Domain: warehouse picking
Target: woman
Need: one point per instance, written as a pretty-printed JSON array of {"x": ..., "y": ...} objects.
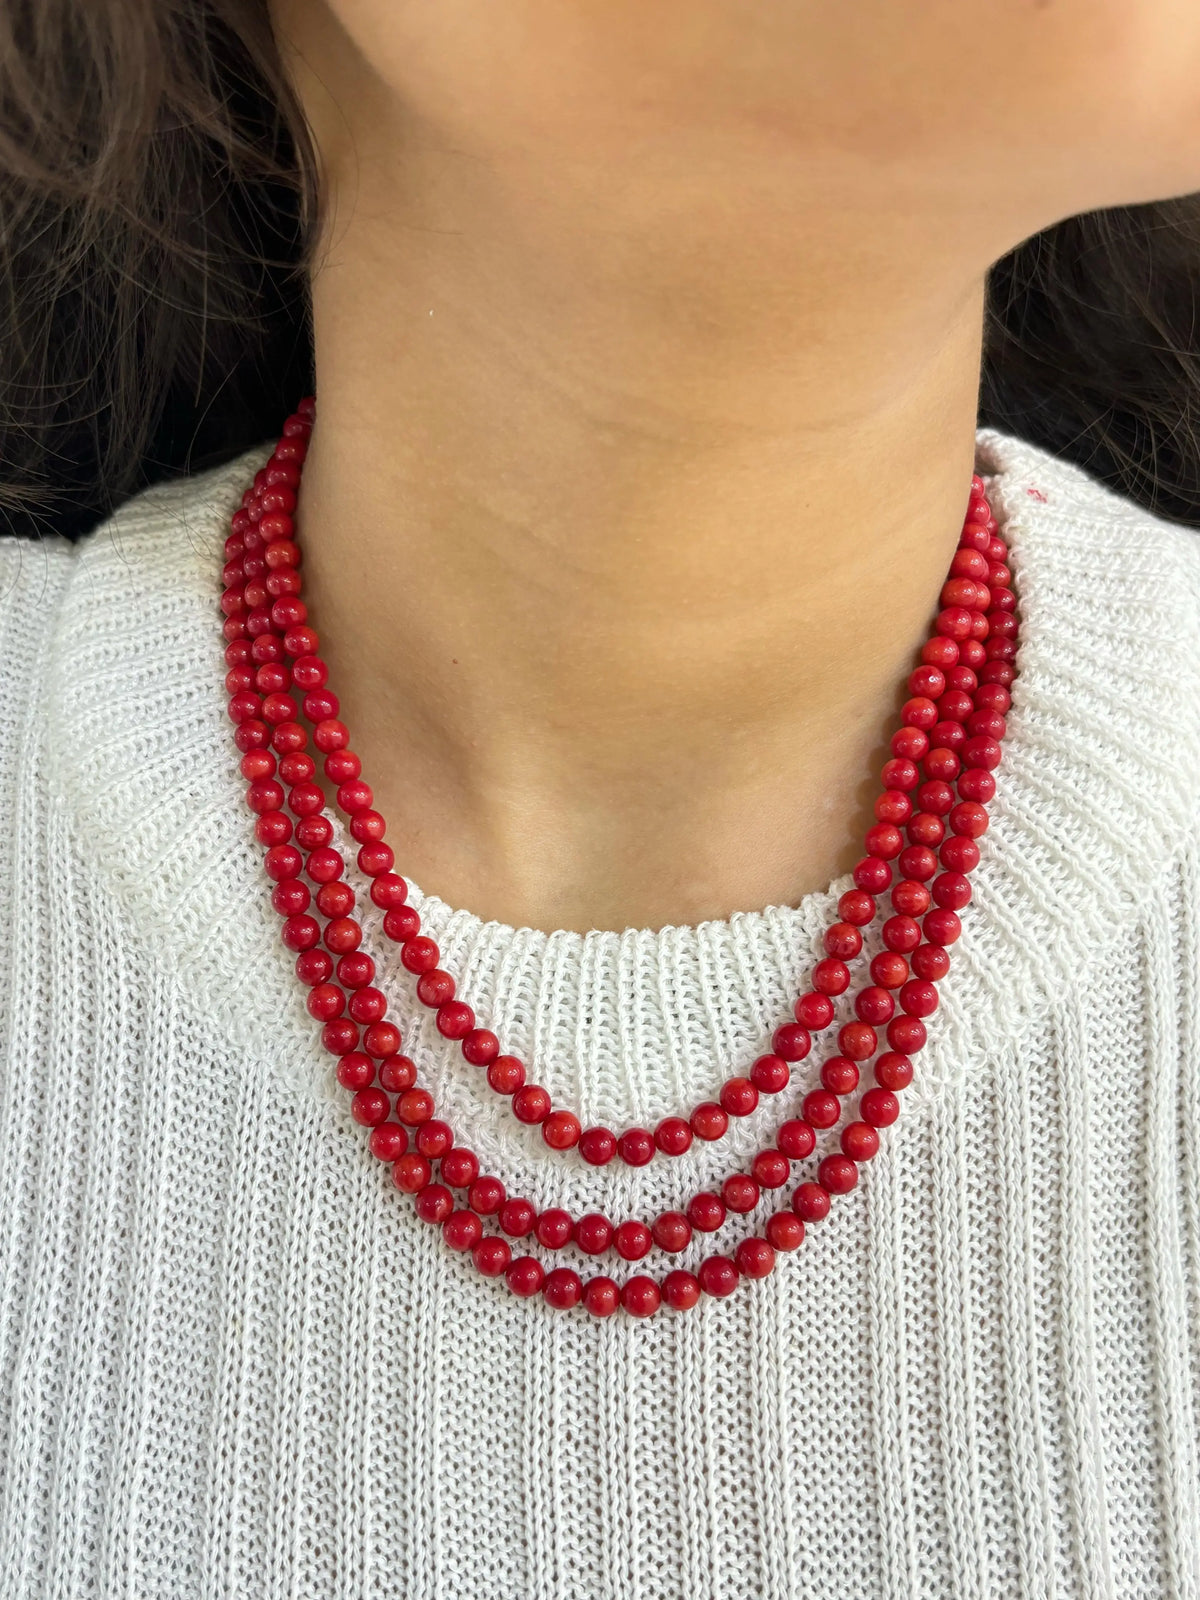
[{"x": 813, "y": 1206}]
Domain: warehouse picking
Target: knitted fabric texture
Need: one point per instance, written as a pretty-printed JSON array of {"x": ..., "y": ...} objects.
[{"x": 233, "y": 1363}]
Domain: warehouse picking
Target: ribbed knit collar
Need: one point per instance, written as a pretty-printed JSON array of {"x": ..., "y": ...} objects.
[{"x": 1098, "y": 786}]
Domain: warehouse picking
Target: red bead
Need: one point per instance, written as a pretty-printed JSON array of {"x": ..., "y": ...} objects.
[
  {"x": 860, "y": 1141},
  {"x": 706, "y": 1212},
  {"x": 811, "y": 1202},
  {"x": 814, "y": 1011},
  {"x": 930, "y": 961},
  {"x": 459, "y": 1168},
  {"x": 641, "y": 1296},
  {"x": 856, "y": 905},
  {"x": 314, "y": 967},
  {"x": 517, "y": 1218},
  {"x": 739, "y": 1097},
  {"x": 632, "y": 1239},
  {"x": 821, "y": 1108},
  {"x": 951, "y": 890},
  {"x": 718, "y": 1276},
  {"x": 919, "y": 998},
  {"x": 388, "y": 1141},
  {"x": 906, "y": 1034},
  {"x": 480, "y": 1047},
  {"x": 740, "y": 1192},
  {"x": 561, "y": 1130},
  {"x": 389, "y": 891},
  {"x": 414, "y": 1107},
  {"x": 889, "y": 969},
  {"x": 977, "y": 784},
  {"x": 397, "y": 1074},
  {"x": 942, "y": 926},
  {"x": 284, "y": 861},
  {"x": 343, "y": 933},
  {"x": 872, "y": 875},
  {"x": 435, "y": 988},
  {"x": 911, "y": 899},
  {"x": 754, "y": 1258},
  {"x": 839, "y": 1075},
  {"x": 355, "y": 1070},
  {"x": 370, "y": 1107},
  {"x": 838, "y": 1174},
  {"x": 636, "y": 1147},
  {"x": 791, "y": 1042},
  {"x": 969, "y": 819},
  {"x": 857, "y": 1040},
  {"x": 883, "y": 839},
  {"x": 597, "y": 1146},
  {"x": 486, "y": 1195},
  {"x": 381, "y": 1039},
  {"x": 434, "y": 1138},
  {"x": 411, "y": 1173},
  {"x": 506, "y": 1074},
  {"x": 325, "y": 1001},
  {"x": 879, "y": 1107},
  {"x": 672, "y": 1231},
  {"x": 831, "y": 976},
  {"x": 531, "y": 1103},
  {"x": 874, "y": 1004},
  {"x": 928, "y": 681},
  {"x": 680, "y": 1290},
  {"x": 673, "y": 1136},
  {"x": 796, "y": 1139},
  {"x": 562, "y": 1289},
  {"x": 981, "y": 752},
  {"x": 462, "y": 1230},
  {"x": 709, "y": 1121},
  {"x": 917, "y": 863},
  {"x": 770, "y": 1169},
  {"x": 367, "y": 1005},
  {"x": 340, "y": 1036},
  {"x": 554, "y": 1228},
  {"x": 770, "y": 1074},
  {"x": 525, "y": 1276},
  {"x": 434, "y": 1203},
  {"x": 593, "y": 1233},
  {"x": 601, "y": 1297},
  {"x": 843, "y": 940},
  {"x": 959, "y": 854},
  {"x": 893, "y": 1070},
  {"x": 420, "y": 954},
  {"x": 355, "y": 971},
  {"x": 785, "y": 1231},
  {"x": 335, "y": 899},
  {"x": 492, "y": 1257}
]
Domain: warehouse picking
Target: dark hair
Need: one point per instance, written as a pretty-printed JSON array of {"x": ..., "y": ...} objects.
[{"x": 156, "y": 198}]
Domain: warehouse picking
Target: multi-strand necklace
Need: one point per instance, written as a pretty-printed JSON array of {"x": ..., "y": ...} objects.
[{"x": 919, "y": 853}]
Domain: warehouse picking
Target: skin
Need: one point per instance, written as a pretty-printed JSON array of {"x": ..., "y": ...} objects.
[{"x": 648, "y": 341}]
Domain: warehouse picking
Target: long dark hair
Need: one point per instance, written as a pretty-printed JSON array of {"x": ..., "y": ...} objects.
[{"x": 157, "y": 196}]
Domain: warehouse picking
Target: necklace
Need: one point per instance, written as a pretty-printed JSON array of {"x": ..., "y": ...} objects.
[{"x": 921, "y": 849}]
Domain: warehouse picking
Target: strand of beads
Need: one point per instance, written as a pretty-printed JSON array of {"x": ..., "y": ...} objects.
[{"x": 263, "y": 564}]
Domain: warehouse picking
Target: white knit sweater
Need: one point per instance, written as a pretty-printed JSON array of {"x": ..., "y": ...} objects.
[{"x": 233, "y": 1363}]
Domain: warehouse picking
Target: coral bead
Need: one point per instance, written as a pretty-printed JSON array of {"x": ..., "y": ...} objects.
[
  {"x": 531, "y": 1104},
  {"x": 879, "y": 1107},
  {"x": 601, "y": 1297},
  {"x": 388, "y": 1141},
  {"x": 641, "y": 1296},
  {"x": 821, "y": 1108},
  {"x": 554, "y": 1228},
  {"x": 839, "y": 1075},
  {"x": 370, "y": 1107},
  {"x": 525, "y": 1276},
  {"x": 636, "y": 1147},
  {"x": 561, "y": 1130},
  {"x": 593, "y": 1233},
  {"x": 740, "y": 1192},
  {"x": 597, "y": 1146},
  {"x": 492, "y": 1257},
  {"x": 860, "y": 1141},
  {"x": 459, "y": 1168},
  {"x": 462, "y": 1230},
  {"x": 632, "y": 1240},
  {"x": 857, "y": 1040},
  {"x": 709, "y": 1121},
  {"x": 811, "y": 1202},
  {"x": 517, "y": 1218},
  {"x": 672, "y": 1231},
  {"x": 770, "y": 1074},
  {"x": 739, "y": 1097},
  {"x": 434, "y": 1138},
  {"x": 706, "y": 1212},
  {"x": 562, "y": 1289},
  {"x": 434, "y": 1203},
  {"x": 814, "y": 1011},
  {"x": 754, "y": 1258},
  {"x": 673, "y": 1136},
  {"x": 791, "y": 1042},
  {"x": 831, "y": 976},
  {"x": 843, "y": 940},
  {"x": 785, "y": 1231},
  {"x": 718, "y": 1276},
  {"x": 680, "y": 1290},
  {"x": 796, "y": 1139},
  {"x": 771, "y": 1169},
  {"x": 838, "y": 1174},
  {"x": 486, "y": 1196},
  {"x": 411, "y": 1173},
  {"x": 506, "y": 1074}
]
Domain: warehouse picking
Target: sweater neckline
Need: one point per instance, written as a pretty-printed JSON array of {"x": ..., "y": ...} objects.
[{"x": 1095, "y": 794}]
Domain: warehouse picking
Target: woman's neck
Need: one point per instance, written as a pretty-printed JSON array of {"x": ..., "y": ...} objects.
[{"x": 628, "y": 505}]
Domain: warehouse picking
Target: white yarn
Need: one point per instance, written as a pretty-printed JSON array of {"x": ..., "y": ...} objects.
[{"x": 232, "y": 1363}]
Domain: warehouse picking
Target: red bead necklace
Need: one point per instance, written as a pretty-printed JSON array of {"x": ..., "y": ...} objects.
[{"x": 922, "y": 848}]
